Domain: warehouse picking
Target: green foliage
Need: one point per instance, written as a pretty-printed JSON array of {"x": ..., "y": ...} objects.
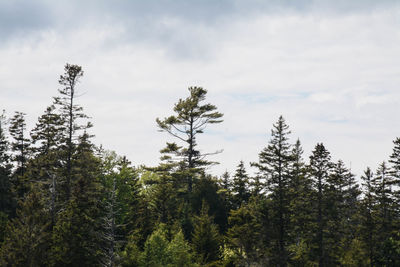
[
  {"x": 240, "y": 186},
  {"x": 274, "y": 166},
  {"x": 79, "y": 205},
  {"x": 160, "y": 251},
  {"x": 27, "y": 237},
  {"x": 191, "y": 119},
  {"x": 354, "y": 255},
  {"x": 7, "y": 201},
  {"x": 245, "y": 235},
  {"x": 206, "y": 240},
  {"x": 20, "y": 147}
]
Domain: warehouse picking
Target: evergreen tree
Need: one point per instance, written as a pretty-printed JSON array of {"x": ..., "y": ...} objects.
[
  {"x": 20, "y": 147},
  {"x": 341, "y": 221},
  {"x": 245, "y": 235},
  {"x": 70, "y": 114},
  {"x": 225, "y": 193},
  {"x": 27, "y": 239},
  {"x": 240, "y": 186},
  {"x": 320, "y": 169},
  {"x": 159, "y": 251},
  {"x": 368, "y": 220},
  {"x": 47, "y": 134},
  {"x": 274, "y": 162},
  {"x": 300, "y": 209},
  {"x": 206, "y": 240},
  {"x": 191, "y": 119},
  {"x": 46, "y": 165},
  {"x": 206, "y": 191},
  {"x": 383, "y": 190},
  {"x": 78, "y": 235},
  {"x": 225, "y": 181},
  {"x": 121, "y": 198},
  {"x": 6, "y": 196},
  {"x": 395, "y": 173}
]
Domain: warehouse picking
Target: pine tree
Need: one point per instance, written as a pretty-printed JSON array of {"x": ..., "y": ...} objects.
[
  {"x": 20, "y": 147},
  {"x": 320, "y": 168},
  {"x": 245, "y": 235},
  {"x": 383, "y": 183},
  {"x": 78, "y": 235},
  {"x": 385, "y": 209},
  {"x": 225, "y": 191},
  {"x": 240, "y": 186},
  {"x": 27, "y": 239},
  {"x": 70, "y": 114},
  {"x": 191, "y": 119},
  {"x": 395, "y": 173},
  {"x": 368, "y": 220},
  {"x": 46, "y": 165},
  {"x": 6, "y": 196},
  {"x": 121, "y": 198},
  {"x": 300, "y": 209},
  {"x": 273, "y": 165},
  {"x": 47, "y": 134},
  {"x": 206, "y": 239}
]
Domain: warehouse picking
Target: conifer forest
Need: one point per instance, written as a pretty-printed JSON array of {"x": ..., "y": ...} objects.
[{"x": 65, "y": 201}]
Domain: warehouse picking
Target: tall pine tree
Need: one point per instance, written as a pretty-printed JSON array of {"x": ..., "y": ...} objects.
[{"x": 273, "y": 165}]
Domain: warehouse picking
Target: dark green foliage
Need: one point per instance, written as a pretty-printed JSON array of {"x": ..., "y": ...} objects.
[
  {"x": 206, "y": 239},
  {"x": 28, "y": 238},
  {"x": 19, "y": 147},
  {"x": 301, "y": 220},
  {"x": 245, "y": 236},
  {"x": 320, "y": 169},
  {"x": 47, "y": 134},
  {"x": 6, "y": 195},
  {"x": 240, "y": 186},
  {"x": 206, "y": 190},
  {"x": 274, "y": 166},
  {"x": 367, "y": 216},
  {"x": 78, "y": 233}
]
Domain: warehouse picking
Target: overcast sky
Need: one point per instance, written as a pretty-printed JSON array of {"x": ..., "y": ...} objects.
[{"x": 331, "y": 68}]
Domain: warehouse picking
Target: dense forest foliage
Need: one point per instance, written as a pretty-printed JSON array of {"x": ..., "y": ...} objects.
[{"x": 67, "y": 202}]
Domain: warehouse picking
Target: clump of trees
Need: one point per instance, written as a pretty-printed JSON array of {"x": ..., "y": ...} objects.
[{"x": 66, "y": 202}]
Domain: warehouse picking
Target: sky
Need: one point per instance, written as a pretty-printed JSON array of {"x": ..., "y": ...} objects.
[{"x": 330, "y": 68}]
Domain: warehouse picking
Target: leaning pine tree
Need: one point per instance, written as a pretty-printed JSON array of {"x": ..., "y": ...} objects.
[{"x": 190, "y": 119}]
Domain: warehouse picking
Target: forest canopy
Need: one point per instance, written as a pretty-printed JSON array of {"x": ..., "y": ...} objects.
[{"x": 65, "y": 201}]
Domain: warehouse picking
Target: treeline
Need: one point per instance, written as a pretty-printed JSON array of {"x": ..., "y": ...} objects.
[{"x": 66, "y": 202}]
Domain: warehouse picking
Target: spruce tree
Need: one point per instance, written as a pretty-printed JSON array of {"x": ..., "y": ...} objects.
[
  {"x": 78, "y": 236},
  {"x": 240, "y": 186},
  {"x": 27, "y": 239},
  {"x": 320, "y": 169},
  {"x": 20, "y": 147},
  {"x": 300, "y": 209},
  {"x": 206, "y": 239},
  {"x": 46, "y": 165},
  {"x": 273, "y": 165},
  {"x": 6, "y": 196},
  {"x": 47, "y": 134},
  {"x": 245, "y": 235},
  {"x": 395, "y": 173},
  {"x": 368, "y": 220}
]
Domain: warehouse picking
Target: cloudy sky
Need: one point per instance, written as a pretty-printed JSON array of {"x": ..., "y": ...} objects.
[{"x": 331, "y": 68}]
